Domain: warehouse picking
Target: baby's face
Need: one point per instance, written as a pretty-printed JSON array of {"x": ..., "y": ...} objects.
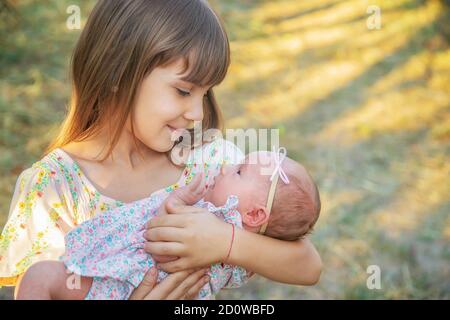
[{"x": 247, "y": 181}]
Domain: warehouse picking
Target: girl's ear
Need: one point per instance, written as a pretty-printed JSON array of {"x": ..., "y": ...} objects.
[{"x": 255, "y": 217}]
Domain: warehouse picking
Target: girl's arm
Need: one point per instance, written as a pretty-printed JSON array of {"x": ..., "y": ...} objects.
[
  {"x": 185, "y": 235},
  {"x": 293, "y": 262},
  {"x": 16, "y": 289}
]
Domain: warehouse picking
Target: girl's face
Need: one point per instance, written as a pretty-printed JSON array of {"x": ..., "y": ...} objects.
[{"x": 165, "y": 103}]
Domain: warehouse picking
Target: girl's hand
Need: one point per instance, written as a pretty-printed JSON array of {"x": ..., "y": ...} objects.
[
  {"x": 162, "y": 259},
  {"x": 193, "y": 234},
  {"x": 177, "y": 286}
]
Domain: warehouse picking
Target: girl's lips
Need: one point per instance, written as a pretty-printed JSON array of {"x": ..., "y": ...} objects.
[
  {"x": 173, "y": 129},
  {"x": 175, "y": 133}
]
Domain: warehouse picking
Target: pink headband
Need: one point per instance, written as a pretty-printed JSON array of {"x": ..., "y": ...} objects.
[{"x": 278, "y": 172}]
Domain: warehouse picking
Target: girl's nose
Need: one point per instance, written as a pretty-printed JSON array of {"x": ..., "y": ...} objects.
[{"x": 195, "y": 113}]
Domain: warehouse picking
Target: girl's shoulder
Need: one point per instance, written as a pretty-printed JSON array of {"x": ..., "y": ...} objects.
[
  {"x": 53, "y": 167},
  {"x": 54, "y": 179}
]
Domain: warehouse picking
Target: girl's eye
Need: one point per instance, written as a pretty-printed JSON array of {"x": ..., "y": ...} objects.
[
  {"x": 239, "y": 172},
  {"x": 183, "y": 93}
]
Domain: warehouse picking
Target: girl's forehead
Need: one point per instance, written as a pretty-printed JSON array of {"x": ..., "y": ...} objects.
[{"x": 178, "y": 70}]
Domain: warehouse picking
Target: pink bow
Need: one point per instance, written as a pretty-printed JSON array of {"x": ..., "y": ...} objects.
[{"x": 279, "y": 155}]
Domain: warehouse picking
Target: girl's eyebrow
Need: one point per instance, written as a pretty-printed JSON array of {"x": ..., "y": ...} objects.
[
  {"x": 191, "y": 83},
  {"x": 184, "y": 81}
]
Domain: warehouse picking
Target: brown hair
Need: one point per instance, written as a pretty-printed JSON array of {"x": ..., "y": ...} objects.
[
  {"x": 296, "y": 205},
  {"x": 122, "y": 42}
]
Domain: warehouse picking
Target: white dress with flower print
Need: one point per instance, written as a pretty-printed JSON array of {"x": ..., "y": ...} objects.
[{"x": 54, "y": 196}]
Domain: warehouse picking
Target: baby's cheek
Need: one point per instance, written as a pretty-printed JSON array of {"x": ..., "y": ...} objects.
[{"x": 219, "y": 194}]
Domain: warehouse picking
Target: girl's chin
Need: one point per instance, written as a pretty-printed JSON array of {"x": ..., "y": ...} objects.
[
  {"x": 163, "y": 144},
  {"x": 168, "y": 146}
]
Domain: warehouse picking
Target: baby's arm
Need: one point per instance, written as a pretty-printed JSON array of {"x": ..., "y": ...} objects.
[{"x": 50, "y": 280}]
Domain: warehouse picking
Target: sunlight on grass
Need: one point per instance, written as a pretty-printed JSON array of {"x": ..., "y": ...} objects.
[
  {"x": 369, "y": 113},
  {"x": 270, "y": 10},
  {"x": 332, "y": 201},
  {"x": 398, "y": 104},
  {"x": 395, "y": 111},
  {"x": 425, "y": 187},
  {"x": 297, "y": 91},
  {"x": 446, "y": 232},
  {"x": 366, "y": 111},
  {"x": 337, "y": 13},
  {"x": 299, "y": 87}
]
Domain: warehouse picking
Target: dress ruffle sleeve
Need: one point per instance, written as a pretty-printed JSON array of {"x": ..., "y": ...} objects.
[{"x": 38, "y": 219}]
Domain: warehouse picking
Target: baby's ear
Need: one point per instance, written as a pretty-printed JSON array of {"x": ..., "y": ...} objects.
[{"x": 255, "y": 217}]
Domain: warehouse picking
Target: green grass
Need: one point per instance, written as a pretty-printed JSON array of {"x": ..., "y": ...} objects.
[{"x": 368, "y": 112}]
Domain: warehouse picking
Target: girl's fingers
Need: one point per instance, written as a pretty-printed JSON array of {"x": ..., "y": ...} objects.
[
  {"x": 186, "y": 195},
  {"x": 174, "y": 266},
  {"x": 166, "y": 221},
  {"x": 175, "y": 286},
  {"x": 163, "y": 259},
  {"x": 181, "y": 291},
  {"x": 146, "y": 286},
  {"x": 164, "y": 248},
  {"x": 164, "y": 234},
  {"x": 169, "y": 284},
  {"x": 174, "y": 209},
  {"x": 195, "y": 289}
]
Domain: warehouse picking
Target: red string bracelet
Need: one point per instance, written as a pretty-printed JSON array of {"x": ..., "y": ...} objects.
[{"x": 231, "y": 244}]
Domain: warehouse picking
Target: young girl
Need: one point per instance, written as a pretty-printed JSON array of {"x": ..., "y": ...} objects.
[{"x": 141, "y": 69}]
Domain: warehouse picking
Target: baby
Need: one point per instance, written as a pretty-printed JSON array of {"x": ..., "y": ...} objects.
[{"x": 107, "y": 251}]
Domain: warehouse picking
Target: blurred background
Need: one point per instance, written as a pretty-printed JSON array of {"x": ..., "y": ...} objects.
[{"x": 366, "y": 110}]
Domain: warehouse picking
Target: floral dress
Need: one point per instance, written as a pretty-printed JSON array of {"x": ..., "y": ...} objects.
[
  {"x": 54, "y": 196},
  {"x": 110, "y": 248}
]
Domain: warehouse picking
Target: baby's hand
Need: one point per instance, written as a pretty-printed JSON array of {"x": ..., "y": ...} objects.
[{"x": 187, "y": 195}]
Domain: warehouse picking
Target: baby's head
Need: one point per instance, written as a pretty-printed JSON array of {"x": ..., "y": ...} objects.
[{"x": 296, "y": 205}]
